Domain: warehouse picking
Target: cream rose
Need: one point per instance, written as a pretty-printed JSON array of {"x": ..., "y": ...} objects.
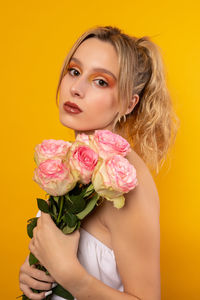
[
  {"x": 49, "y": 149},
  {"x": 114, "y": 177},
  {"x": 109, "y": 143},
  {"x": 54, "y": 177}
]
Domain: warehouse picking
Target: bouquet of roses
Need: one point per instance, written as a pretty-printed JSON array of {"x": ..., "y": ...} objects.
[{"x": 77, "y": 176}]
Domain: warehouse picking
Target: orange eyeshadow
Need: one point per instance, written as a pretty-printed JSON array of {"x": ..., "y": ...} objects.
[
  {"x": 71, "y": 65},
  {"x": 110, "y": 79}
]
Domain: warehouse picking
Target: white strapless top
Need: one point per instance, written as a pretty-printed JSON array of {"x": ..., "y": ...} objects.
[{"x": 98, "y": 260}]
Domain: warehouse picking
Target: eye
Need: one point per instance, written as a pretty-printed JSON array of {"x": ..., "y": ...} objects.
[
  {"x": 101, "y": 82},
  {"x": 73, "y": 72}
]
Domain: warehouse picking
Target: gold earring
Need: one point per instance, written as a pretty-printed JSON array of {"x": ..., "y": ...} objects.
[{"x": 124, "y": 116}]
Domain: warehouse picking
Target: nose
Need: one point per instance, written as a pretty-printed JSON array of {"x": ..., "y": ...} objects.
[{"x": 78, "y": 88}]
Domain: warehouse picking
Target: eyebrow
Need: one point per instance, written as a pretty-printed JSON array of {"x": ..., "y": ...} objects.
[{"x": 95, "y": 69}]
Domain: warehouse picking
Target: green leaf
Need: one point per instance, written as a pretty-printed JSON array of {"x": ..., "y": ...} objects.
[
  {"x": 43, "y": 205},
  {"x": 78, "y": 224},
  {"x": 89, "y": 207},
  {"x": 54, "y": 210},
  {"x": 74, "y": 203},
  {"x": 76, "y": 190},
  {"x": 56, "y": 198},
  {"x": 32, "y": 259},
  {"x": 71, "y": 219},
  {"x": 25, "y": 298},
  {"x": 60, "y": 291},
  {"x": 82, "y": 192},
  {"x": 68, "y": 230},
  {"x": 47, "y": 273},
  {"x": 52, "y": 201},
  {"x": 88, "y": 191},
  {"x": 31, "y": 226}
]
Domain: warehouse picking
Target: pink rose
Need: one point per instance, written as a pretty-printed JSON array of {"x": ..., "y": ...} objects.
[
  {"x": 82, "y": 161},
  {"x": 121, "y": 173},
  {"x": 49, "y": 149},
  {"x": 109, "y": 143},
  {"x": 54, "y": 177},
  {"x": 114, "y": 177}
]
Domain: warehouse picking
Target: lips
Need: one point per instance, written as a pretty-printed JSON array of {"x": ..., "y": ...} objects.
[{"x": 72, "y": 105}]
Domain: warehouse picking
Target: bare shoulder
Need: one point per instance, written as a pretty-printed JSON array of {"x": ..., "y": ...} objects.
[
  {"x": 146, "y": 184},
  {"x": 145, "y": 195},
  {"x": 135, "y": 235}
]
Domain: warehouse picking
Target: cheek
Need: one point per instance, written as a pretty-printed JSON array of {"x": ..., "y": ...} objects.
[
  {"x": 106, "y": 102},
  {"x": 64, "y": 87}
]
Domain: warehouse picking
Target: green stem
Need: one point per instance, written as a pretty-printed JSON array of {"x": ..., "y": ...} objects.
[{"x": 61, "y": 207}]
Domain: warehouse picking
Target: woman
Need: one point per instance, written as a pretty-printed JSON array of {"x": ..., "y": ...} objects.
[{"x": 112, "y": 81}]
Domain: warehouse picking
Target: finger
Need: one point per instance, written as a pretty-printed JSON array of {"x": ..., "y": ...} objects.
[
  {"x": 39, "y": 221},
  {"x": 32, "y": 247},
  {"x": 47, "y": 220},
  {"x": 29, "y": 293},
  {"x": 75, "y": 234},
  {"x": 34, "y": 231},
  {"x": 35, "y": 284},
  {"x": 45, "y": 215},
  {"x": 41, "y": 275},
  {"x": 36, "y": 273}
]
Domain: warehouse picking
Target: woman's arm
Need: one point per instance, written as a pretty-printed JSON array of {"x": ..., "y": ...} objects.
[
  {"x": 67, "y": 270},
  {"x": 136, "y": 242},
  {"x": 135, "y": 233}
]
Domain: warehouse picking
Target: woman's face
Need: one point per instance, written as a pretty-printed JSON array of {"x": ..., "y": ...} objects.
[{"x": 91, "y": 83}]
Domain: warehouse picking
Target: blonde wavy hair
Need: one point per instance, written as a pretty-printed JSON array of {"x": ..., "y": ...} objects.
[{"x": 152, "y": 125}]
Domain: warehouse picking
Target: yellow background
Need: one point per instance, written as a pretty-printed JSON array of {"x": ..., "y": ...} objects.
[{"x": 35, "y": 38}]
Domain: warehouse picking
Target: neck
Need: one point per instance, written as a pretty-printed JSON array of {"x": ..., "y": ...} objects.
[{"x": 89, "y": 132}]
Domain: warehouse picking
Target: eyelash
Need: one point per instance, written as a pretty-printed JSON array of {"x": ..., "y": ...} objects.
[
  {"x": 72, "y": 69},
  {"x": 105, "y": 84}
]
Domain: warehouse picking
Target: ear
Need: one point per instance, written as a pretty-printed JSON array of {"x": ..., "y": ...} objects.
[{"x": 132, "y": 104}]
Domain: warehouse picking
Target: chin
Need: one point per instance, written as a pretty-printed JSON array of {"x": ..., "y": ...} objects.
[
  {"x": 73, "y": 126},
  {"x": 83, "y": 126}
]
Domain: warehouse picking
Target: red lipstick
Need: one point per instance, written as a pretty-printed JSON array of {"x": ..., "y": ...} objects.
[{"x": 71, "y": 107}]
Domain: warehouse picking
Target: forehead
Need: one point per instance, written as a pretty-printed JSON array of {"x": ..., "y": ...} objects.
[{"x": 94, "y": 53}]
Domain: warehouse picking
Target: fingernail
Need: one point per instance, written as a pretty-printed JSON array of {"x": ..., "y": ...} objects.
[
  {"x": 48, "y": 293},
  {"x": 54, "y": 285}
]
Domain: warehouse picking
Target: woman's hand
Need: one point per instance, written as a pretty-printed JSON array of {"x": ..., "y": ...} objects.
[
  {"x": 56, "y": 251},
  {"x": 30, "y": 277}
]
